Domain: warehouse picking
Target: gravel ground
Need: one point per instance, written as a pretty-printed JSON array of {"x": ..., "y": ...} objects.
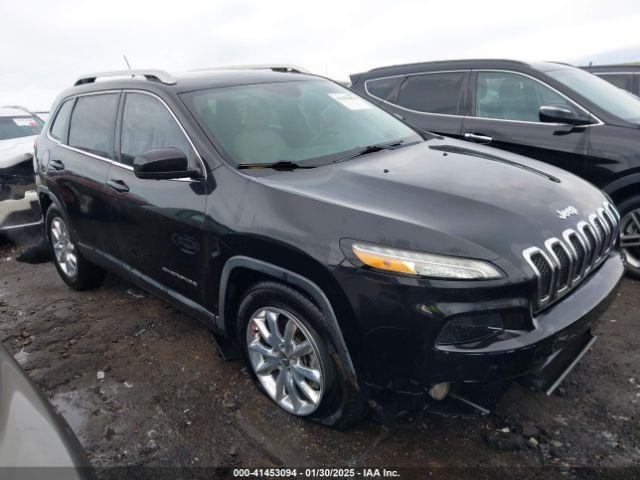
[{"x": 168, "y": 400}]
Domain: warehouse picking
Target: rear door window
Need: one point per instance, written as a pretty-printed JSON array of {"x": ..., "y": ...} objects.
[
  {"x": 148, "y": 125},
  {"x": 60, "y": 124},
  {"x": 93, "y": 123},
  {"x": 433, "y": 93}
]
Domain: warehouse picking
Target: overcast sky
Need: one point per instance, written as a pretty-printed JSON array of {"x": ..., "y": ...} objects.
[{"x": 46, "y": 44}]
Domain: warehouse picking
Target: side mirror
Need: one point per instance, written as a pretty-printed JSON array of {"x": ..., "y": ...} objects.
[
  {"x": 162, "y": 164},
  {"x": 566, "y": 115}
]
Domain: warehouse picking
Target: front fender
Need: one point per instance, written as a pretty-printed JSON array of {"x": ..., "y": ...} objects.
[{"x": 332, "y": 326}]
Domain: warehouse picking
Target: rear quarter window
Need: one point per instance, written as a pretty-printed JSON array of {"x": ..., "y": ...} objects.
[
  {"x": 60, "y": 124},
  {"x": 382, "y": 87}
]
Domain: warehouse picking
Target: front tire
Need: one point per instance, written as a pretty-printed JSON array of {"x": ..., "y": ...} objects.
[
  {"x": 289, "y": 356},
  {"x": 630, "y": 234},
  {"x": 76, "y": 271}
]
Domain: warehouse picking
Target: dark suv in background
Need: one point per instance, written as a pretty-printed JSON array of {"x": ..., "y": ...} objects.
[
  {"x": 548, "y": 111},
  {"x": 626, "y": 77},
  {"x": 354, "y": 263}
]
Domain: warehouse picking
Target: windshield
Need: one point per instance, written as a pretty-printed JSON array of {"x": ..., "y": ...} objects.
[
  {"x": 306, "y": 122},
  {"x": 614, "y": 100},
  {"x": 17, "y": 127}
]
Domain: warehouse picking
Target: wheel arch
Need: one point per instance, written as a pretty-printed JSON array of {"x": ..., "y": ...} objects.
[
  {"x": 623, "y": 188},
  {"x": 245, "y": 265},
  {"x": 48, "y": 199}
]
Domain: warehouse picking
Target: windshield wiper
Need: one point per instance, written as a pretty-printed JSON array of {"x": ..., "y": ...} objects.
[
  {"x": 371, "y": 149},
  {"x": 281, "y": 165}
]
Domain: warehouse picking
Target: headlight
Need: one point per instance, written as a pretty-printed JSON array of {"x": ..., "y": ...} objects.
[{"x": 425, "y": 264}]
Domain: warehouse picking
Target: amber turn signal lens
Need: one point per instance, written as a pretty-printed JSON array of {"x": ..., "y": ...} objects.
[
  {"x": 382, "y": 262},
  {"x": 424, "y": 264}
]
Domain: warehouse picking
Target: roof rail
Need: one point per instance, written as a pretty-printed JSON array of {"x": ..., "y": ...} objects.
[
  {"x": 557, "y": 62},
  {"x": 16, "y": 107},
  {"x": 461, "y": 61},
  {"x": 151, "y": 75},
  {"x": 278, "y": 67},
  {"x": 19, "y": 107}
]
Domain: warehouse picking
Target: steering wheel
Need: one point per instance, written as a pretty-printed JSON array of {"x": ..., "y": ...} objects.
[{"x": 325, "y": 124}]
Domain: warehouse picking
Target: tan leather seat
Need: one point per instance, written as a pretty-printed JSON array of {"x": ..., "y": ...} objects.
[{"x": 259, "y": 143}]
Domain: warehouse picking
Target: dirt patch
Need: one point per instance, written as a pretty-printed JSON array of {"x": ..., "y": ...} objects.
[{"x": 141, "y": 384}]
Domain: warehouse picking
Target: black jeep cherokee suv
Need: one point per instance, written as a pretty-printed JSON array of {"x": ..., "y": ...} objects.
[
  {"x": 548, "y": 111},
  {"x": 353, "y": 262}
]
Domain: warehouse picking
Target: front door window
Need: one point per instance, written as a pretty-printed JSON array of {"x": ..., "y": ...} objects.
[{"x": 510, "y": 96}]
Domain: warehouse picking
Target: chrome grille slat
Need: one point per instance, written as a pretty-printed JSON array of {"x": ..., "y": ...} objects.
[
  {"x": 607, "y": 228},
  {"x": 565, "y": 262},
  {"x": 600, "y": 233},
  {"x": 610, "y": 214},
  {"x": 543, "y": 268},
  {"x": 578, "y": 250},
  {"x": 592, "y": 242},
  {"x": 613, "y": 211}
]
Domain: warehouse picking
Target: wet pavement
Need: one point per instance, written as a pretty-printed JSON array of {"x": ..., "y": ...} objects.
[{"x": 142, "y": 384}]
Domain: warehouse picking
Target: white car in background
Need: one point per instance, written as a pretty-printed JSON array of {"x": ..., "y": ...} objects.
[
  {"x": 43, "y": 115},
  {"x": 18, "y": 130}
]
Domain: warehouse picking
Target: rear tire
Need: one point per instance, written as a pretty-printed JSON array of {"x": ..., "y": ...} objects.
[
  {"x": 630, "y": 226},
  {"x": 280, "y": 331},
  {"x": 76, "y": 271}
]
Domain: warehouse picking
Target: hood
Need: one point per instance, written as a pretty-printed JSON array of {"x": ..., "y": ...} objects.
[
  {"x": 16, "y": 150},
  {"x": 10, "y": 143},
  {"x": 450, "y": 197}
]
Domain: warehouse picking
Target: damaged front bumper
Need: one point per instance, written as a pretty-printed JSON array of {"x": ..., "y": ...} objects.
[
  {"x": 21, "y": 219},
  {"x": 478, "y": 375}
]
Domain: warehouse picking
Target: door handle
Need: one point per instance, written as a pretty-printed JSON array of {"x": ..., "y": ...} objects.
[
  {"x": 118, "y": 185},
  {"x": 474, "y": 137},
  {"x": 56, "y": 164}
]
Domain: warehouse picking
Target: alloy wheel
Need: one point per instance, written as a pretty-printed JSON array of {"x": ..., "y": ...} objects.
[
  {"x": 630, "y": 237},
  {"x": 64, "y": 248},
  {"x": 285, "y": 357}
]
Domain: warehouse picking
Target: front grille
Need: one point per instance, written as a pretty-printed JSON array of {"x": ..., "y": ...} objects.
[{"x": 564, "y": 262}]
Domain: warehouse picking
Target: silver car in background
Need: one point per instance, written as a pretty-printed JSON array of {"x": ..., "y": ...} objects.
[{"x": 32, "y": 434}]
